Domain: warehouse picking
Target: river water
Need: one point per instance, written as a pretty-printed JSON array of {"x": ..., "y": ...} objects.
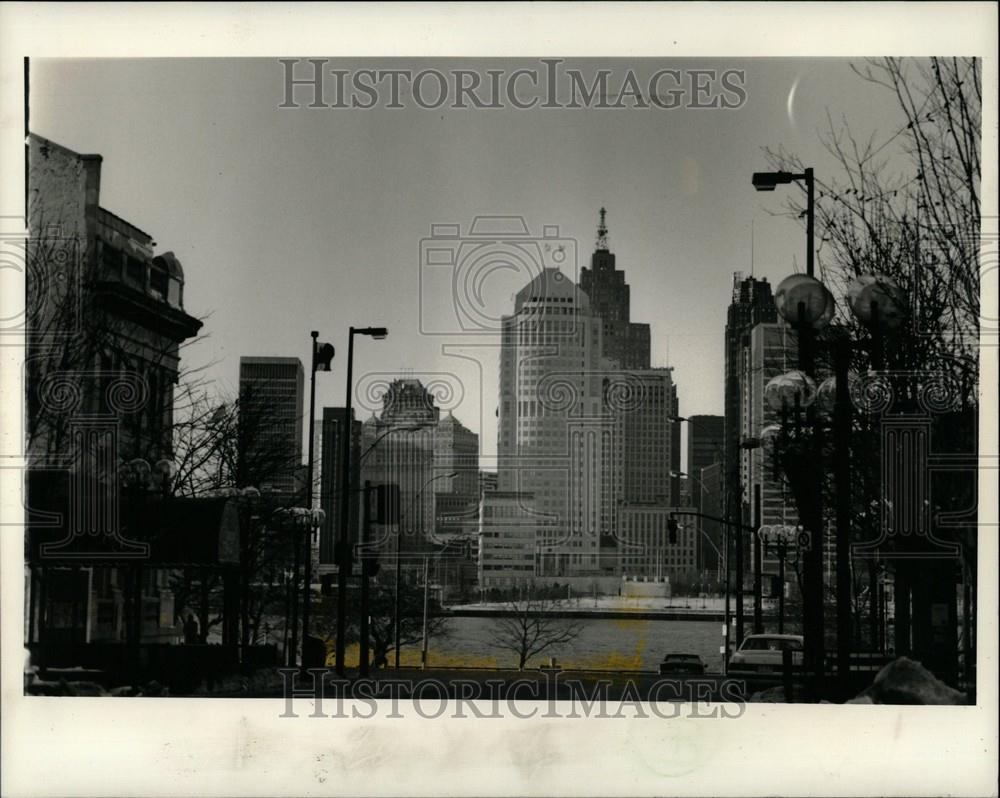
[{"x": 603, "y": 644}]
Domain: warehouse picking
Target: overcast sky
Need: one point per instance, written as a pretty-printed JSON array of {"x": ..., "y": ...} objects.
[{"x": 288, "y": 220}]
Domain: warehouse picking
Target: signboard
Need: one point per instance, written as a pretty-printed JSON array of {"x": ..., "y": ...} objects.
[{"x": 790, "y": 535}]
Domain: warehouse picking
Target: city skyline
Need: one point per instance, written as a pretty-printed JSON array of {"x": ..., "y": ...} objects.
[
  {"x": 661, "y": 390},
  {"x": 679, "y": 229}
]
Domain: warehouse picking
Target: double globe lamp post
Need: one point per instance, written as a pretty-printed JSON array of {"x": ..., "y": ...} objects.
[{"x": 809, "y": 307}]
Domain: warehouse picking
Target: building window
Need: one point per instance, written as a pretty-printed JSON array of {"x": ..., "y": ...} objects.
[
  {"x": 135, "y": 272},
  {"x": 158, "y": 283},
  {"x": 111, "y": 261},
  {"x": 155, "y": 403}
]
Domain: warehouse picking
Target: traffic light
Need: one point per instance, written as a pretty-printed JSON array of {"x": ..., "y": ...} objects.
[
  {"x": 672, "y": 529},
  {"x": 324, "y": 357},
  {"x": 777, "y": 587},
  {"x": 326, "y": 585}
]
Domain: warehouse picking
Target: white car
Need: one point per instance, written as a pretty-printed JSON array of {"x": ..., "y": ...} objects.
[{"x": 762, "y": 654}]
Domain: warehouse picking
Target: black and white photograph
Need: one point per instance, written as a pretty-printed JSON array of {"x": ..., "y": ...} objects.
[{"x": 467, "y": 414}]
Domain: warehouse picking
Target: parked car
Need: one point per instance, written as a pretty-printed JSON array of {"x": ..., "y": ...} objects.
[
  {"x": 762, "y": 654},
  {"x": 682, "y": 663}
]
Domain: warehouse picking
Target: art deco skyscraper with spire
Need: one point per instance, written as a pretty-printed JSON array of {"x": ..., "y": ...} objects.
[
  {"x": 625, "y": 341},
  {"x": 649, "y": 438},
  {"x": 585, "y": 425}
]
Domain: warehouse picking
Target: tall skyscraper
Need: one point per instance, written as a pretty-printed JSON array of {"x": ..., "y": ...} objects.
[
  {"x": 647, "y": 438},
  {"x": 773, "y": 350},
  {"x": 456, "y": 451},
  {"x": 433, "y": 459},
  {"x": 706, "y": 435},
  {"x": 555, "y": 439},
  {"x": 271, "y": 391},
  {"x": 586, "y": 425},
  {"x": 330, "y": 461},
  {"x": 625, "y": 342},
  {"x": 675, "y": 448},
  {"x": 752, "y": 304},
  {"x": 706, "y": 439},
  {"x": 395, "y": 455},
  {"x": 647, "y": 445}
]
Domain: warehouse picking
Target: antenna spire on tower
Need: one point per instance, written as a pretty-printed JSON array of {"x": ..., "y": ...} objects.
[{"x": 602, "y": 232}]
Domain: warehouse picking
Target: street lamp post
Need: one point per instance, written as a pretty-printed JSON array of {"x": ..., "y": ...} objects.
[
  {"x": 423, "y": 646},
  {"x": 807, "y": 318},
  {"x": 798, "y": 390},
  {"x": 767, "y": 181},
  {"x": 780, "y": 535},
  {"x": 807, "y": 304},
  {"x": 343, "y": 546},
  {"x": 758, "y": 600},
  {"x": 745, "y": 444},
  {"x": 322, "y": 355}
]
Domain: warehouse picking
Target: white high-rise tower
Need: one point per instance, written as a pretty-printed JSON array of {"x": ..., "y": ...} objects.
[{"x": 555, "y": 439}]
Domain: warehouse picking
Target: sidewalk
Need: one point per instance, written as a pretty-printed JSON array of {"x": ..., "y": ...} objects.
[{"x": 711, "y": 606}]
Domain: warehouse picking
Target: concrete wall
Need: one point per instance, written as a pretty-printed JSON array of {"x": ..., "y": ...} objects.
[{"x": 646, "y": 589}]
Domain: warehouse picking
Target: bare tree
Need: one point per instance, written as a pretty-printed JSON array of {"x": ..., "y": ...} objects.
[
  {"x": 381, "y": 609},
  {"x": 907, "y": 205},
  {"x": 530, "y": 628},
  {"x": 223, "y": 446}
]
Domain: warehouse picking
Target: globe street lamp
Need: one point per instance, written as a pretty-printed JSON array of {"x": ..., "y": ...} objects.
[
  {"x": 343, "y": 546},
  {"x": 782, "y": 535},
  {"x": 806, "y": 303},
  {"x": 879, "y": 303}
]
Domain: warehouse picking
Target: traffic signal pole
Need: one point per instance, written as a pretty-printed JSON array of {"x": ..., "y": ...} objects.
[
  {"x": 758, "y": 602},
  {"x": 365, "y": 528},
  {"x": 307, "y": 586}
]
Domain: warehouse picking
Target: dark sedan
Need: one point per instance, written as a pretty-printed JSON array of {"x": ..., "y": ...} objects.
[{"x": 690, "y": 664}]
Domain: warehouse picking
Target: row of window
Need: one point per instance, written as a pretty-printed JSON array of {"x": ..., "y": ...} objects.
[{"x": 148, "y": 277}]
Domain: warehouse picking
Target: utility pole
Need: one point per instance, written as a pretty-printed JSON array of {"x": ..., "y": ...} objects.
[
  {"x": 343, "y": 546},
  {"x": 366, "y": 516},
  {"x": 782, "y": 548},
  {"x": 758, "y": 600},
  {"x": 739, "y": 579},
  {"x": 423, "y": 648},
  {"x": 307, "y": 578},
  {"x": 842, "y": 476},
  {"x": 293, "y": 645}
]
